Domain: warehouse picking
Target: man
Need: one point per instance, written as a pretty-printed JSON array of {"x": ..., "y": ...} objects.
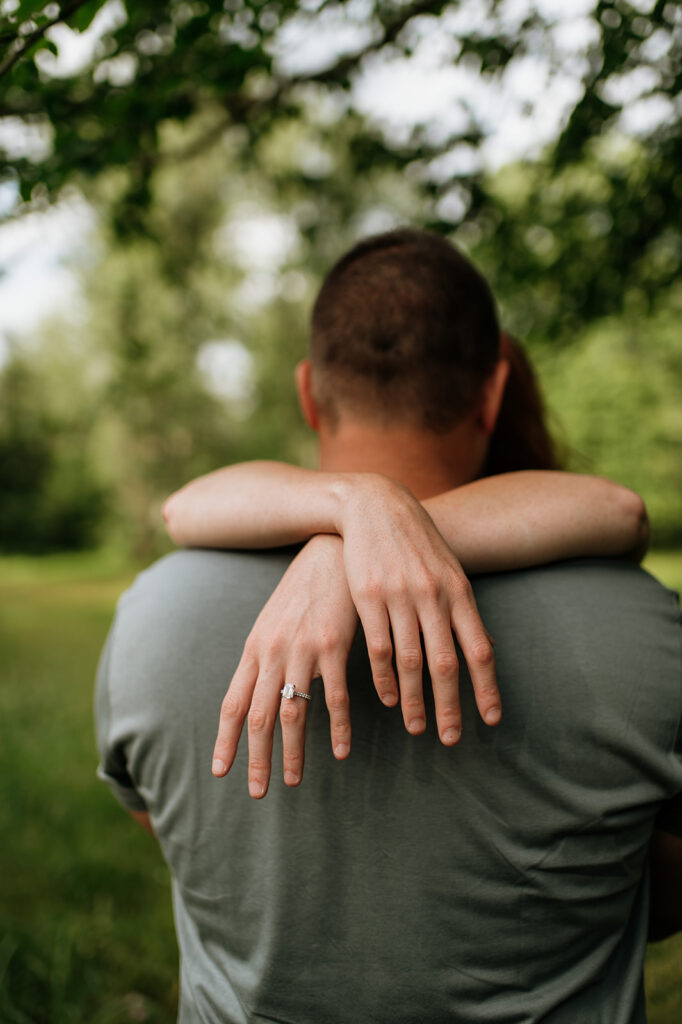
[{"x": 503, "y": 879}]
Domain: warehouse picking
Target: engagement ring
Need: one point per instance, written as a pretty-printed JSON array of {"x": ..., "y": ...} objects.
[{"x": 288, "y": 691}]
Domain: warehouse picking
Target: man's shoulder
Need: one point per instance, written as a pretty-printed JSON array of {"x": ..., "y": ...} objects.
[
  {"x": 191, "y": 574},
  {"x": 595, "y": 608},
  {"x": 192, "y": 577},
  {"x": 596, "y": 580}
]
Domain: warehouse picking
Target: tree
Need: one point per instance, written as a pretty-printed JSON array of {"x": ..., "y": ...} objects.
[
  {"x": 216, "y": 69},
  {"x": 52, "y": 498},
  {"x": 186, "y": 113}
]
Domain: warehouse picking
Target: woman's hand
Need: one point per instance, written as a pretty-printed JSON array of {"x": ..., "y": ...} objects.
[
  {"x": 305, "y": 630},
  {"x": 404, "y": 580},
  {"x": 407, "y": 584}
]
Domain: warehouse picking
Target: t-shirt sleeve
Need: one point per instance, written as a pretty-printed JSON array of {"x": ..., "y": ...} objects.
[{"x": 112, "y": 767}]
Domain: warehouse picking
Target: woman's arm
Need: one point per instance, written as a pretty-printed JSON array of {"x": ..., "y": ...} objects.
[
  {"x": 305, "y": 630},
  {"x": 533, "y": 517},
  {"x": 403, "y": 577},
  {"x": 404, "y": 584},
  {"x": 498, "y": 523}
]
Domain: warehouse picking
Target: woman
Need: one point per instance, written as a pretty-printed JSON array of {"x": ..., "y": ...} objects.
[{"x": 378, "y": 554}]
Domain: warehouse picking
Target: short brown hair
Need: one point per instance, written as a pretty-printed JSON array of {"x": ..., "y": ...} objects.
[{"x": 404, "y": 327}]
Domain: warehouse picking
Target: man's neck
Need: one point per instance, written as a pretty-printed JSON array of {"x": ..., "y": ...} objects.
[{"x": 425, "y": 463}]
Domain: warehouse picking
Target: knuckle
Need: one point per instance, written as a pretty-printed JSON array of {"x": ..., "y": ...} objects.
[
  {"x": 259, "y": 767},
  {"x": 337, "y": 700},
  {"x": 277, "y": 643},
  {"x": 428, "y": 585},
  {"x": 396, "y": 588},
  {"x": 329, "y": 641},
  {"x": 413, "y": 703},
  {"x": 232, "y": 707},
  {"x": 290, "y": 712},
  {"x": 293, "y": 759},
  {"x": 370, "y": 590},
  {"x": 445, "y": 663},
  {"x": 488, "y": 692},
  {"x": 410, "y": 658},
  {"x": 259, "y": 720},
  {"x": 482, "y": 653},
  {"x": 380, "y": 648},
  {"x": 461, "y": 588},
  {"x": 250, "y": 652}
]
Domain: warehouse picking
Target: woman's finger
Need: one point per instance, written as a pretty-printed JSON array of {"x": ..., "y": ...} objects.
[
  {"x": 262, "y": 717},
  {"x": 292, "y": 715},
  {"x": 444, "y": 671},
  {"x": 333, "y": 671},
  {"x": 408, "y": 657},
  {"x": 233, "y": 711},
  {"x": 477, "y": 649},
  {"x": 375, "y": 623}
]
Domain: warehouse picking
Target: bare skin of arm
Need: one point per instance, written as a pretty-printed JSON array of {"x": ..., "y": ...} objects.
[
  {"x": 398, "y": 553},
  {"x": 497, "y": 523},
  {"x": 402, "y": 578}
]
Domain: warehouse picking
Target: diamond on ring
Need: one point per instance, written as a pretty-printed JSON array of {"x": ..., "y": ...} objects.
[{"x": 289, "y": 691}]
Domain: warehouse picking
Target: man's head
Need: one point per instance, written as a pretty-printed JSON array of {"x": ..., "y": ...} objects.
[
  {"x": 405, "y": 376},
  {"x": 404, "y": 329}
]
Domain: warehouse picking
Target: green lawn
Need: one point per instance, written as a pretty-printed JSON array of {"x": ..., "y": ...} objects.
[
  {"x": 86, "y": 935},
  {"x": 667, "y": 566}
]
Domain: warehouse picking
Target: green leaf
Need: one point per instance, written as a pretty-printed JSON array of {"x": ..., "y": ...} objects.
[
  {"x": 28, "y": 7},
  {"x": 84, "y": 16},
  {"x": 46, "y": 44}
]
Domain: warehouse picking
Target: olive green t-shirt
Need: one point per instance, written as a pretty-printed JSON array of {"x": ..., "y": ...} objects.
[{"x": 503, "y": 880}]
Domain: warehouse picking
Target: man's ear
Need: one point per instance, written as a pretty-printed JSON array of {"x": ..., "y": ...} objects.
[
  {"x": 304, "y": 374},
  {"x": 492, "y": 394}
]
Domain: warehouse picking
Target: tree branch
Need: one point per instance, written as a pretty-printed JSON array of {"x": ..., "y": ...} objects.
[
  {"x": 35, "y": 36},
  {"x": 335, "y": 73}
]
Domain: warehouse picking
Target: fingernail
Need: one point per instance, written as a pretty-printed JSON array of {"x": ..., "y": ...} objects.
[
  {"x": 389, "y": 699},
  {"x": 417, "y": 725},
  {"x": 218, "y": 767},
  {"x": 256, "y": 789},
  {"x": 291, "y": 778},
  {"x": 341, "y": 750},
  {"x": 493, "y": 715},
  {"x": 451, "y": 735}
]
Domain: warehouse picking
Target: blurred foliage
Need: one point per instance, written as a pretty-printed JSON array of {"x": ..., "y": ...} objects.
[
  {"x": 616, "y": 394},
  {"x": 183, "y": 131},
  {"x": 216, "y": 67},
  {"x": 51, "y": 498}
]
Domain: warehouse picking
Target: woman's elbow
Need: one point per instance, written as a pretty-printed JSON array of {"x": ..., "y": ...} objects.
[
  {"x": 635, "y": 520},
  {"x": 173, "y": 520}
]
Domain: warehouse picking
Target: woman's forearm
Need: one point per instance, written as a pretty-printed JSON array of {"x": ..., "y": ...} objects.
[
  {"x": 255, "y": 505},
  {"x": 534, "y": 517},
  {"x": 497, "y": 523}
]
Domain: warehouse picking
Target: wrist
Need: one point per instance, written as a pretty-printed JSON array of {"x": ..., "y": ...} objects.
[
  {"x": 353, "y": 495},
  {"x": 338, "y": 492}
]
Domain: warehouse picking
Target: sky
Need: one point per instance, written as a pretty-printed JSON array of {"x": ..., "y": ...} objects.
[{"x": 519, "y": 116}]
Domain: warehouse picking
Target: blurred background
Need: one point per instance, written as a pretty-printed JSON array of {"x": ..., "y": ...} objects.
[{"x": 176, "y": 179}]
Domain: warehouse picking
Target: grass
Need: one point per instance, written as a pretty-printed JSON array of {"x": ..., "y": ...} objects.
[
  {"x": 86, "y": 932},
  {"x": 667, "y": 567},
  {"x": 85, "y": 915}
]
